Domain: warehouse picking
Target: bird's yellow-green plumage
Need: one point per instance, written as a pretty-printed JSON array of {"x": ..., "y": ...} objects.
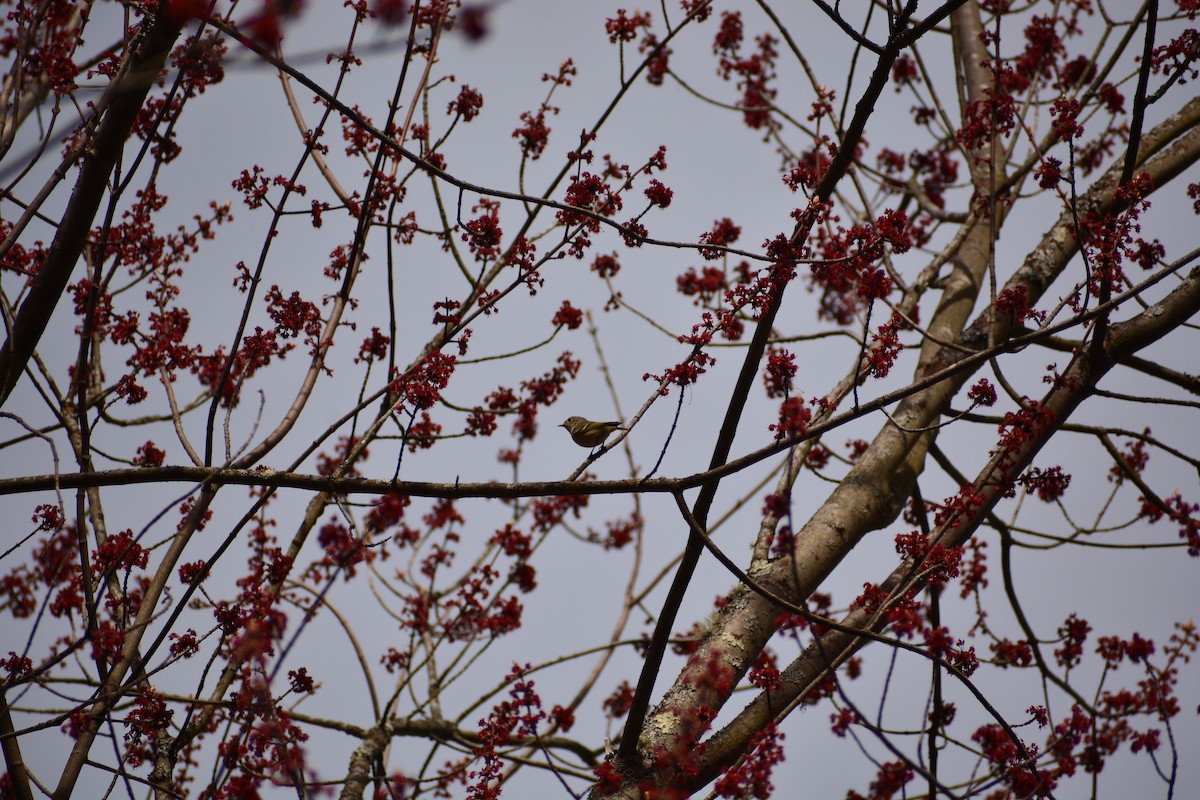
[{"x": 586, "y": 433}]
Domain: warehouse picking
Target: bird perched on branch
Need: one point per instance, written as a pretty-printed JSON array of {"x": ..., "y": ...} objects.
[{"x": 586, "y": 433}]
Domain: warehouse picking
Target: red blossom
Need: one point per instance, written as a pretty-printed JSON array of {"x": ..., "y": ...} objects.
[
  {"x": 975, "y": 572},
  {"x": 794, "y": 416},
  {"x": 728, "y": 38},
  {"x": 422, "y": 385},
  {"x": 704, "y": 286},
  {"x": 752, "y": 777},
  {"x": 857, "y": 448},
  {"x": 1049, "y": 173},
  {"x": 1148, "y": 741},
  {"x": 481, "y": 422},
  {"x": 564, "y": 718},
  {"x": 894, "y": 228},
  {"x": 904, "y": 71},
  {"x": 328, "y": 463},
  {"x": 765, "y": 673},
  {"x": 1179, "y": 55},
  {"x": 191, "y": 572},
  {"x": 620, "y": 532},
  {"x": 342, "y": 548},
  {"x": 120, "y": 551},
  {"x": 634, "y": 233},
  {"x": 1049, "y": 484},
  {"x": 534, "y": 134},
  {"x": 959, "y": 509},
  {"x": 781, "y": 369},
  {"x": 606, "y": 265},
  {"x": 184, "y": 645},
  {"x": 1073, "y": 632},
  {"x": 48, "y": 517},
  {"x": 810, "y": 167},
  {"x": 776, "y": 505},
  {"x": 993, "y": 114},
  {"x": 149, "y": 714},
  {"x": 1135, "y": 457},
  {"x": 107, "y": 641},
  {"x": 874, "y": 285},
  {"x": 1066, "y": 111},
  {"x": 658, "y": 194},
  {"x": 374, "y": 347},
  {"x": 890, "y": 780},
  {"x": 885, "y": 347},
  {"x": 292, "y": 315},
  {"x": 149, "y": 456},
  {"x": 1012, "y": 654},
  {"x": 840, "y": 722},
  {"x": 590, "y": 192},
  {"x": 300, "y": 681},
  {"x": 521, "y": 713},
  {"x": 607, "y": 778},
  {"x": 472, "y": 22},
  {"x": 723, "y": 233},
  {"x": 550, "y": 511},
  {"x": 685, "y": 373},
  {"x": 982, "y": 393},
  {"x": 16, "y": 666},
  {"x": 658, "y": 60},
  {"x": 387, "y": 511},
  {"x": 617, "y": 704},
  {"x": 622, "y": 28},
  {"x": 1024, "y": 426}
]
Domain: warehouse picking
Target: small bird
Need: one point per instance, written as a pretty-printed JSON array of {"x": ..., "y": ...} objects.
[{"x": 586, "y": 433}]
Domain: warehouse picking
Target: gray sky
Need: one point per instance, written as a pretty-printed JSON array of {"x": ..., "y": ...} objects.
[{"x": 717, "y": 168}]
